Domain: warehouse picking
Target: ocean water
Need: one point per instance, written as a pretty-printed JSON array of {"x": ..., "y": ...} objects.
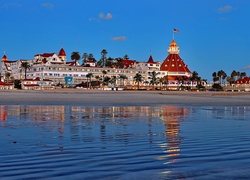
[{"x": 132, "y": 142}]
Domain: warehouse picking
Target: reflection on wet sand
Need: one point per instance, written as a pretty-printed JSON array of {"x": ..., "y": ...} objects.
[
  {"x": 104, "y": 138},
  {"x": 82, "y": 120}
]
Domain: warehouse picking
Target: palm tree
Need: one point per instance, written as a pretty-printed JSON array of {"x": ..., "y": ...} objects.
[
  {"x": 113, "y": 80},
  {"x": 195, "y": 77},
  {"x": 104, "y": 53},
  {"x": 89, "y": 76},
  {"x": 106, "y": 80},
  {"x": 91, "y": 57},
  {"x": 75, "y": 56},
  {"x": 103, "y": 73},
  {"x": 153, "y": 76},
  {"x": 222, "y": 75},
  {"x": 233, "y": 75},
  {"x": 98, "y": 78},
  {"x": 109, "y": 62},
  {"x": 119, "y": 63},
  {"x": 25, "y": 65},
  {"x": 238, "y": 74},
  {"x": 7, "y": 76},
  {"x": 243, "y": 74},
  {"x": 138, "y": 78},
  {"x": 215, "y": 77},
  {"x": 125, "y": 57},
  {"x": 84, "y": 58},
  {"x": 123, "y": 77}
]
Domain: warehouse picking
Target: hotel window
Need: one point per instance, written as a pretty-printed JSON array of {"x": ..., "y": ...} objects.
[{"x": 172, "y": 65}]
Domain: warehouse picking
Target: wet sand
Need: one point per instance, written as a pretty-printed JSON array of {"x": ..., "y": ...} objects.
[{"x": 121, "y": 98}]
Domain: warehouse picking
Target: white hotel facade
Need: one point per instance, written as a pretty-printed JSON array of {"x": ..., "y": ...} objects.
[{"x": 54, "y": 67}]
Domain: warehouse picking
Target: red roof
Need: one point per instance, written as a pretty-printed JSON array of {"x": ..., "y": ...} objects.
[
  {"x": 174, "y": 63},
  {"x": 127, "y": 63},
  {"x": 45, "y": 55},
  {"x": 244, "y": 80},
  {"x": 73, "y": 63},
  {"x": 36, "y": 79},
  {"x": 150, "y": 60},
  {"x": 4, "y": 58},
  {"x": 62, "y": 52},
  {"x": 5, "y": 84}
]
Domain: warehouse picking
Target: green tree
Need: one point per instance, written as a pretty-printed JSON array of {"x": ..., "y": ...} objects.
[
  {"x": 138, "y": 78},
  {"x": 103, "y": 58},
  {"x": 91, "y": 57},
  {"x": 85, "y": 57},
  {"x": 89, "y": 77},
  {"x": 154, "y": 79},
  {"x": 243, "y": 74},
  {"x": 215, "y": 77},
  {"x": 125, "y": 57},
  {"x": 75, "y": 56},
  {"x": 7, "y": 76},
  {"x": 222, "y": 75},
  {"x": 25, "y": 66},
  {"x": 17, "y": 84},
  {"x": 123, "y": 77},
  {"x": 233, "y": 74},
  {"x": 119, "y": 63},
  {"x": 106, "y": 80}
]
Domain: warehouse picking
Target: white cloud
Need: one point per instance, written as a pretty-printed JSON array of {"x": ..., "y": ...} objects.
[
  {"x": 102, "y": 16},
  {"x": 92, "y": 19},
  {"x": 246, "y": 68},
  {"x": 48, "y": 5},
  {"x": 120, "y": 38},
  {"x": 108, "y": 16},
  {"x": 225, "y": 9},
  {"x": 10, "y": 5}
]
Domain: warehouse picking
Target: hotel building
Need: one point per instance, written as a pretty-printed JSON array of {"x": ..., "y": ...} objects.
[{"x": 52, "y": 68}]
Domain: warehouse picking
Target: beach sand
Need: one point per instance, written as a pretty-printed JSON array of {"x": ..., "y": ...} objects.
[{"x": 85, "y": 97}]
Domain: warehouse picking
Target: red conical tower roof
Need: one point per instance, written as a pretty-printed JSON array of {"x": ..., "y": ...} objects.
[
  {"x": 150, "y": 60},
  {"x": 62, "y": 52},
  {"x": 4, "y": 58},
  {"x": 173, "y": 62}
]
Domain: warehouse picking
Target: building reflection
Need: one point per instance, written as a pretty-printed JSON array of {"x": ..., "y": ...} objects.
[
  {"x": 172, "y": 117},
  {"x": 105, "y": 124},
  {"x": 3, "y": 113}
]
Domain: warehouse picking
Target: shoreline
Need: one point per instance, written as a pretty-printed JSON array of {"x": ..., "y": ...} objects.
[{"x": 86, "y": 97}]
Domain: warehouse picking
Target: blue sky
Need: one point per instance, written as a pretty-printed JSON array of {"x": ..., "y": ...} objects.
[{"x": 214, "y": 34}]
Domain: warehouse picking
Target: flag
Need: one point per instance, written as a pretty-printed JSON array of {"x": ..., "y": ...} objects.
[{"x": 176, "y": 30}]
